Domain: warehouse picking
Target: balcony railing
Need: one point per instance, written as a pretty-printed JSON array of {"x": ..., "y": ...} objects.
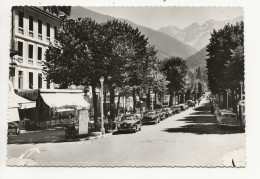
[
  {"x": 39, "y": 62},
  {"x": 20, "y": 30},
  {"x": 30, "y": 61},
  {"x": 30, "y": 33},
  {"x": 48, "y": 39},
  {"x": 20, "y": 59},
  {"x": 40, "y": 36}
]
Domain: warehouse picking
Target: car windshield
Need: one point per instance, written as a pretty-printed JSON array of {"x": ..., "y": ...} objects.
[
  {"x": 127, "y": 117},
  {"x": 150, "y": 113}
]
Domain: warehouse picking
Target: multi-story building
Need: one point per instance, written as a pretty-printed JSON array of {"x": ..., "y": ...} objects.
[{"x": 33, "y": 29}]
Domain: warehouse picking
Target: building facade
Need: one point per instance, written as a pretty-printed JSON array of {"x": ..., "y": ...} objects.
[{"x": 33, "y": 29}]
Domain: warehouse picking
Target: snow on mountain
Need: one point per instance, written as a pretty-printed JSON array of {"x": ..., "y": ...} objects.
[{"x": 197, "y": 35}]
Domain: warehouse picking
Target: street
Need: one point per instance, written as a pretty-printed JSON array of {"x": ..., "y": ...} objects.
[{"x": 190, "y": 138}]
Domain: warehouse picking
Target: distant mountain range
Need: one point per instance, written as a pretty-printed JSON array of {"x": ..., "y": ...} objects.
[
  {"x": 198, "y": 59},
  {"x": 197, "y": 35},
  {"x": 165, "y": 44}
]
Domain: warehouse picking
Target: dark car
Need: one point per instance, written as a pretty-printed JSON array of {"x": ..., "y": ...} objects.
[
  {"x": 130, "y": 123},
  {"x": 161, "y": 114},
  {"x": 190, "y": 103},
  {"x": 183, "y": 106},
  {"x": 150, "y": 117},
  {"x": 168, "y": 112},
  {"x": 176, "y": 109}
]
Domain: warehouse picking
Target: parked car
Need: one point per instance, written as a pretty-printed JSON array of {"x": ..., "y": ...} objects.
[
  {"x": 176, "y": 109},
  {"x": 13, "y": 128},
  {"x": 227, "y": 118},
  {"x": 161, "y": 114},
  {"x": 190, "y": 103},
  {"x": 130, "y": 123},
  {"x": 183, "y": 106},
  {"x": 168, "y": 111},
  {"x": 150, "y": 117}
]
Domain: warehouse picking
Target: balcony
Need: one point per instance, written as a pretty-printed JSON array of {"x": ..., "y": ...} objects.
[
  {"x": 39, "y": 62},
  {"x": 30, "y": 61},
  {"x": 30, "y": 33},
  {"x": 20, "y": 59},
  {"x": 20, "y": 30},
  {"x": 48, "y": 39},
  {"x": 40, "y": 36}
]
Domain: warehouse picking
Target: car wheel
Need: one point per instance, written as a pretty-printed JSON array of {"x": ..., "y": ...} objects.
[{"x": 140, "y": 128}]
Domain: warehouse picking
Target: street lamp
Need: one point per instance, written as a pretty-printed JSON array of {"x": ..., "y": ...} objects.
[
  {"x": 101, "y": 105},
  {"x": 241, "y": 86}
]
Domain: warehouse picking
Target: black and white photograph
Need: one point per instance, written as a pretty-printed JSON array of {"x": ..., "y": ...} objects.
[{"x": 126, "y": 86}]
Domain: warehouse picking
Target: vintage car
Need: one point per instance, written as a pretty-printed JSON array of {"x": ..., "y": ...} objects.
[
  {"x": 227, "y": 118},
  {"x": 168, "y": 111},
  {"x": 13, "y": 128},
  {"x": 176, "y": 109},
  {"x": 130, "y": 123},
  {"x": 183, "y": 106},
  {"x": 150, "y": 117},
  {"x": 190, "y": 103},
  {"x": 161, "y": 113},
  {"x": 138, "y": 114}
]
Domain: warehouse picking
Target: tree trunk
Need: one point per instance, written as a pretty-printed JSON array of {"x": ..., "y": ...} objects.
[
  {"x": 134, "y": 101},
  {"x": 118, "y": 103},
  {"x": 148, "y": 102},
  {"x": 94, "y": 96},
  {"x": 171, "y": 101},
  {"x": 112, "y": 103}
]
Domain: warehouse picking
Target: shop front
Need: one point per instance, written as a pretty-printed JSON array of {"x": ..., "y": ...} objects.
[{"x": 57, "y": 108}]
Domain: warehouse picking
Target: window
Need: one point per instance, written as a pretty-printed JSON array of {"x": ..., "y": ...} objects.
[
  {"x": 39, "y": 29},
  {"x": 30, "y": 54},
  {"x": 20, "y": 28},
  {"x": 39, "y": 53},
  {"x": 39, "y": 80},
  {"x": 31, "y": 23},
  {"x": 48, "y": 29},
  {"x": 20, "y": 49},
  {"x": 30, "y": 80},
  {"x": 48, "y": 32},
  {"x": 40, "y": 26},
  {"x": 20, "y": 79}
]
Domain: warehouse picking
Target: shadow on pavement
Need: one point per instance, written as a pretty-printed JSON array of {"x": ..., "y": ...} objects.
[{"x": 203, "y": 122}]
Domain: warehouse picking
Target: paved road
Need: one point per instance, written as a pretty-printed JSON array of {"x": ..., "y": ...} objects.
[{"x": 190, "y": 138}]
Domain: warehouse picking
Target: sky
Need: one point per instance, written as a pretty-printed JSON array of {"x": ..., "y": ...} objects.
[{"x": 157, "y": 17}]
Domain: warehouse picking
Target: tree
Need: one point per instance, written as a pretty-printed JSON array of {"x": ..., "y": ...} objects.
[
  {"x": 175, "y": 69},
  {"x": 225, "y": 61}
]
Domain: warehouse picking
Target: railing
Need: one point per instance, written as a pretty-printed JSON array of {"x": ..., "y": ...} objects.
[
  {"x": 30, "y": 33},
  {"x": 40, "y": 36},
  {"x": 30, "y": 61},
  {"x": 39, "y": 62},
  {"x": 20, "y": 59},
  {"x": 48, "y": 39},
  {"x": 20, "y": 30}
]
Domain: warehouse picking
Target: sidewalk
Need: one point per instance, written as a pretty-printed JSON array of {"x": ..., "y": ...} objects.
[{"x": 48, "y": 136}]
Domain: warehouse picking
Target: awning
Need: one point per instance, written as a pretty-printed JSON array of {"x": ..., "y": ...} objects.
[
  {"x": 24, "y": 103},
  {"x": 65, "y": 100}
]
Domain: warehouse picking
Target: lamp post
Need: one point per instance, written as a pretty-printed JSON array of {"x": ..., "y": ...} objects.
[
  {"x": 241, "y": 86},
  {"x": 101, "y": 105}
]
